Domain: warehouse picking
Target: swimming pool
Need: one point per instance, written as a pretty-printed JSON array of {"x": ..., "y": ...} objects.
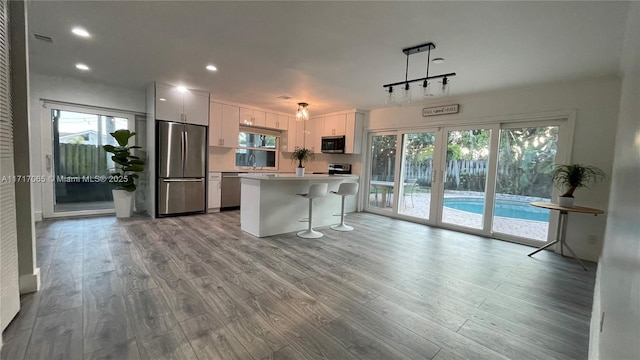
[{"x": 503, "y": 208}]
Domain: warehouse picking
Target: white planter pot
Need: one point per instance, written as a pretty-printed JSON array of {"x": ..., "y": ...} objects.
[
  {"x": 123, "y": 202},
  {"x": 566, "y": 201},
  {"x": 299, "y": 171}
]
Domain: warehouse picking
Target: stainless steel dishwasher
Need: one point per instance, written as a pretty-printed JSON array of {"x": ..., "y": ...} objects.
[{"x": 230, "y": 191}]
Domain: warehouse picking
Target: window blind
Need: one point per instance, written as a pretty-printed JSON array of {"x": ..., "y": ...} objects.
[{"x": 9, "y": 287}]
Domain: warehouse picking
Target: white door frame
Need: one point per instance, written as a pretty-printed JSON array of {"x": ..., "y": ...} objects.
[
  {"x": 489, "y": 189},
  {"x": 367, "y": 174},
  {"x": 47, "y": 164}
]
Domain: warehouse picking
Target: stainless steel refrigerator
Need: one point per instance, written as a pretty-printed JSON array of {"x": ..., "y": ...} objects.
[{"x": 182, "y": 156}]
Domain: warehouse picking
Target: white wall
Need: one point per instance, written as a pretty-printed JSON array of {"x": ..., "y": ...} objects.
[
  {"x": 596, "y": 103},
  {"x": 72, "y": 91},
  {"x": 617, "y": 292}
]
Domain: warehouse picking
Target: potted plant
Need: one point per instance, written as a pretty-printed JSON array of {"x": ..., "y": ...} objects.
[
  {"x": 574, "y": 176},
  {"x": 303, "y": 155},
  {"x": 124, "y": 176}
]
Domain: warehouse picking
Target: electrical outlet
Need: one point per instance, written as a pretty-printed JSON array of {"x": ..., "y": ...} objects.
[{"x": 592, "y": 239}]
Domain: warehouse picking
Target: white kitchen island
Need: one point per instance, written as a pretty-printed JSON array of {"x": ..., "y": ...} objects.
[{"x": 269, "y": 204}]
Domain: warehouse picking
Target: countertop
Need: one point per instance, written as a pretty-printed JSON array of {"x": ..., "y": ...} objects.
[{"x": 291, "y": 176}]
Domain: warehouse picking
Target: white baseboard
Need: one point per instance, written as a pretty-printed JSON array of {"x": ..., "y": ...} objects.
[
  {"x": 37, "y": 216},
  {"x": 30, "y": 282}
]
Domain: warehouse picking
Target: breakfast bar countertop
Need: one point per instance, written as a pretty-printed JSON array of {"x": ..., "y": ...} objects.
[{"x": 292, "y": 176}]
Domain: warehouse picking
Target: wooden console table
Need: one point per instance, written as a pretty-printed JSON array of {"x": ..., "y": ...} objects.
[{"x": 562, "y": 227}]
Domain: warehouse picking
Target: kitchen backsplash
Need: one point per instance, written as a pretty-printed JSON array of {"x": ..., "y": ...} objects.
[{"x": 223, "y": 159}]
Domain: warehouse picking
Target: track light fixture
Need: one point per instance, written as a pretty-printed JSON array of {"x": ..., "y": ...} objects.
[
  {"x": 303, "y": 112},
  {"x": 427, "y": 87}
]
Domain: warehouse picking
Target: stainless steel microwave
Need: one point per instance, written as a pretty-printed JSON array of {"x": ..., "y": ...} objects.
[{"x": 333, "y": 144}]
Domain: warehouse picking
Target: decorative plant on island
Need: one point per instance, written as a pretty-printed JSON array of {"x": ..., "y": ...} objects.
[
  {"x": 302, "y": 155},
  {"x": 124, "y": 176},
  {"x": 572, "y": 177}
]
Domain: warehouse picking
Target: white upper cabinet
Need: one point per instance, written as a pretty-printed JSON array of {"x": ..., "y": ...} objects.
[
  {"x": 279, "y": 122},
  {"x": 313, "y": 134},
  {"x": 190, "y": 106},
  {"x": 295, "y": 134},
  {"x": 249, "y": 117},
  {"x": 283, "y": 122},
  {"x": 334, "y": 125},
  {"x": 223, "y": 127},
  {"x": 168, "y": 103},
  {"x": 196, "y": 107},
  {"x": 354, "y": 128}
]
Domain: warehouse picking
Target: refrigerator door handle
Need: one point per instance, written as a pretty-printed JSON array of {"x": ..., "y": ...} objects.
[
  {"x": 185, "y": 136},
  {"x": 184, "y": 150},
  {"x": 181, "y": 180}
]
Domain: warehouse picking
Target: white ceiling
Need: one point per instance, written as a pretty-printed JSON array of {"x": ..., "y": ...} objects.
[{"x": 333, "y": 55}]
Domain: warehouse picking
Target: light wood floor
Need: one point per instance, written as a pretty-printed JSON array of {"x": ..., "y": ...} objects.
[{"x": 199, "y": 288}]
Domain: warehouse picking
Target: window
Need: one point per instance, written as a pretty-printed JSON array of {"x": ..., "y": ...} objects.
[{"x": 257, "y": 149}]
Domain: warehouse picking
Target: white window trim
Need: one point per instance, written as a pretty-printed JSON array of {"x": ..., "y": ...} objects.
[{"x": 259, "y": 131}]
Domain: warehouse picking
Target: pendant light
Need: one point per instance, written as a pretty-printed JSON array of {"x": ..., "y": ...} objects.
[
  {"x": 391, "y": 96},
  {"x": 427, "y": 81},
  {"x": 303, "y": 112}
]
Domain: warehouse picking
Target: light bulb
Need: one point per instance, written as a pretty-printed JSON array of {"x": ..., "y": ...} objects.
[
  {"x": 391, "y": 96},
  {"x": 444, "y": 88},
  {"x": 406, "y": 97},
  {"x": 303, "y": 112},
  {"x": 426, "y": 89}
]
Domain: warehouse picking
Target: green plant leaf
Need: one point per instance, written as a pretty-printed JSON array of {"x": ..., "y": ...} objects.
[{"x": 122, "y": 136}]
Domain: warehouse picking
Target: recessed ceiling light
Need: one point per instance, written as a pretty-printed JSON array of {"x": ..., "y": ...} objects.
[
  {"x": 162, "y": 99},
  {"x": 80, "y": 32},
  {"x": 438, "y": 60},
  {"x": 212, "y": 68},
  {"x": 181, "y": 88},
  {"x": 82, "y": 67}
]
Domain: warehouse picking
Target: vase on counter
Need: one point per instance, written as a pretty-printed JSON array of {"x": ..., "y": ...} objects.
[{"x": 299, "y": 171}]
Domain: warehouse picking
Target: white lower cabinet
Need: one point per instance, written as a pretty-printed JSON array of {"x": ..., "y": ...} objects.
[{"x": 213, "y": 201}]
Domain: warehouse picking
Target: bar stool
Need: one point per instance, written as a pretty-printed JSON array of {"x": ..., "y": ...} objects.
[
  {"x": 344, "y": 190},
  {"x": 315, "y": 191}
]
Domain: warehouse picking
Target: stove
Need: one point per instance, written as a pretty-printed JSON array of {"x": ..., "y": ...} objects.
[{"x": 339, "y": 169}]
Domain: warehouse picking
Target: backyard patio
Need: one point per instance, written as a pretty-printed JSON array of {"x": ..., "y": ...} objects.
[{"x": 418, "y": 205}]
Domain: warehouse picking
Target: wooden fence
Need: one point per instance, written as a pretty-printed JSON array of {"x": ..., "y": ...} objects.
[
  {"x": 82, "y": 160},
  {"x": 455, "y": 168}
]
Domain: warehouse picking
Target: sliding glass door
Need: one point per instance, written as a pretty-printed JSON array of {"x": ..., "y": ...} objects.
[
  {"x": 526, "y": 158},
  {"x": 478, "y": 179},
  {"x": 465, "y": 178},
  {"x": 418, "y": 168},
  {"x": 382, "y": 171},
  {"x": 76, "y": 164}
]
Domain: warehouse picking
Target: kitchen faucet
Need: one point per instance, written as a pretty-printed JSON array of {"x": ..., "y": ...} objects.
[{"x": 252, "y": 160}]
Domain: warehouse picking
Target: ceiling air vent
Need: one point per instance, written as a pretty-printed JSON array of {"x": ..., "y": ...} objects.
[
  {"x": 285, "y": 97},
  {"x": 43, "y": 38}
]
